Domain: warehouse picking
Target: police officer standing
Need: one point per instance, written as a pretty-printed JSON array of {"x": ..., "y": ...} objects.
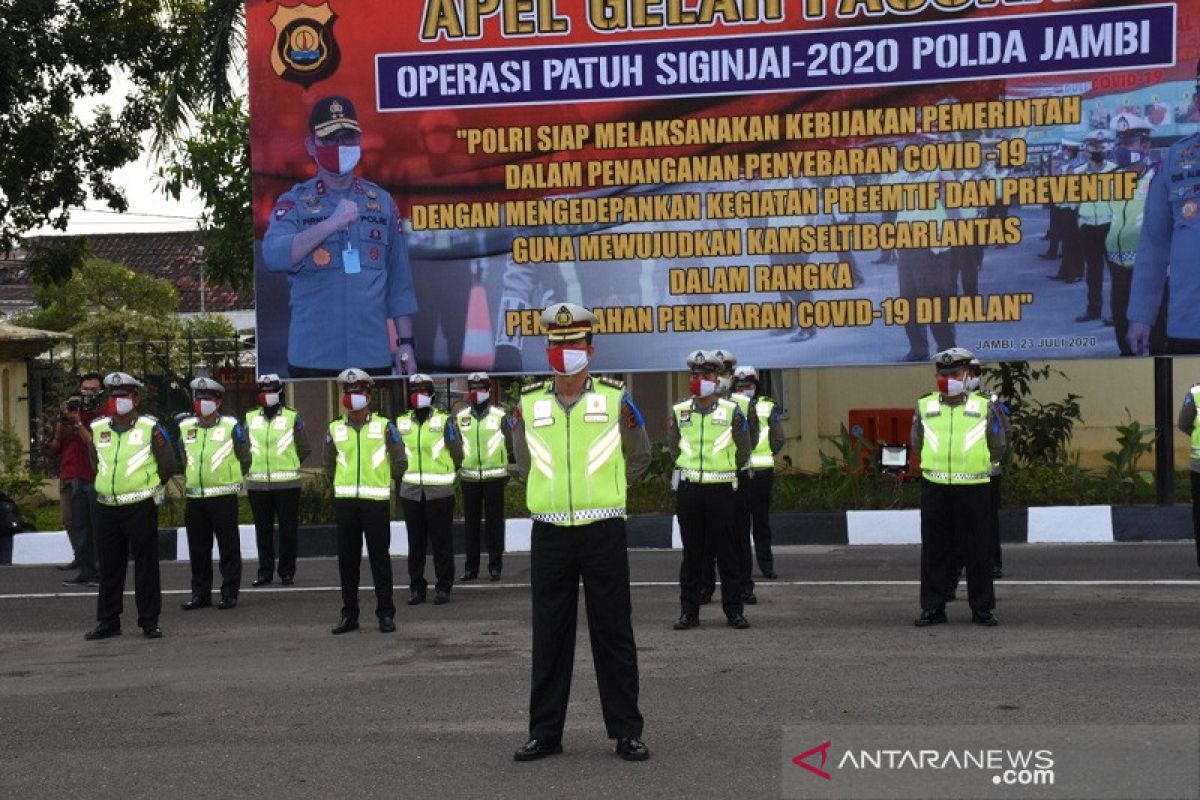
[
  {"x": 428, "y": 462},
  {"x": 757, "y": 477},
  {"x": 278, "y": 445},
  {"x": 1094, "y": 219},
  {"x": 998, "y": 422},
  {"x": 578, "y": 441},
  {"x": 952, "y": 432},
  {"x": 708, "y": 437},
  {"x": 708, "y": 583},
  {"x": 215, "y": 454},
  {"x": 338, "y": 239},
  {"x": 134, "y": 460},
  {"x": 486, "y": 439},
  {"x": 362, "y": 451}
]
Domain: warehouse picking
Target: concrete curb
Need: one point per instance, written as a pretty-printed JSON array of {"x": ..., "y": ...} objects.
[{"x": 1046, "y": 524}]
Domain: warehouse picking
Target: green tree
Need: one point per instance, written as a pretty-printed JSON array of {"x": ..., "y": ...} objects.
[{"x": 58, "y": 53}]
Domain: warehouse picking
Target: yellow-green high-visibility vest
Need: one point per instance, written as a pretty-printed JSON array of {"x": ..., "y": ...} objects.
[
  {"x": 762, "y": 457},
  {"x": 1196, "y": 427},
  {"x": 363, "y": 470},
  {"x": 429, "y": 460},
  {"x": 126, "y": 470},
  {"x": 954, "y": 448},
  {"x": 577, "y": 467},
  {"x": 273, "y": 456},
  {"x": 484, "y": 453},
  {"x": 707, "y": 452},
  {"x": 212, "y": 469}
]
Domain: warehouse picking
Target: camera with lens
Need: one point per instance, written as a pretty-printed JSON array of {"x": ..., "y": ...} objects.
[{"x": 74, "y": 404}]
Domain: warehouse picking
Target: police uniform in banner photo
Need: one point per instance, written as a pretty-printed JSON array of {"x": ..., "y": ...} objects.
[
  {"x": 952, "y": 430},
  {"x": 215, "y": 455},
  {"x": 338, "y": 239},
  {"x": 362, "y": 452},
  {"x": 578, "y": 441},
  {"x": 278, "y": 445},
  {"x": 134, "y": 459},
  {"x": 486, "y": 442}
]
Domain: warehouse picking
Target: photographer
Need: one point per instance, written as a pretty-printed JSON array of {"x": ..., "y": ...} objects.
[{"x": 77, "y": 478}]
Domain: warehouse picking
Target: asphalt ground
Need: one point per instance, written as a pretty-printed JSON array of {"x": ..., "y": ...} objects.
[{"x": 262, "y": 701}]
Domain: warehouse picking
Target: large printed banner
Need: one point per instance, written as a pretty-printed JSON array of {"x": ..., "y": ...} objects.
[{"x": 802, "y": 182}]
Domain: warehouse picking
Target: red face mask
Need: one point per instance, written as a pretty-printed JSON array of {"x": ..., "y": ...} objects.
[
  {"x": 477, "y": 396},
  {"x": 339, "y": 159},
  {"x": 268, "y": 399},
  {"x": 701, "y": 387},
  {"x": 355, "y": 401},
  {"x": 204, "y": 407},
  {"x": 951, "y": 385},
  {"x": 567, "y": 359},
  {"x": 119, "y": 406},
  {"x": 419, "y": 400}
]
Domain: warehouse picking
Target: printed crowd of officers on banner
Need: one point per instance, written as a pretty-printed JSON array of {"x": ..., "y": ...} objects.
[{"x": 577, "y": 442}]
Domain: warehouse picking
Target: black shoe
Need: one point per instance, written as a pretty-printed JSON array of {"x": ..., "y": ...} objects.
[
  {"x": 631, "y": 748},
  {"x": 737, "y": 621},
  {"x": 468, "y": 576},
  {"x": 77, "y": 581},
  {"x": 686, "y": 621},
  {"x": 985, "y": 618},
  {"x": 196, "y": 602},
  {"x": 152, "y": 632},
  {"x": 288, "y": 581},
  {"x": 345, "y": 626},
  {"x": 802, "y": 335},
  {"x": 261, "y": 581},
  {"x": 68, "y": 567},
  {"x": 769, "y": 574},
  {"x": 105, "y": 630},
  {"x": 227, "y": 603},
  {"x": 1108, "y": 323},
  {"x": 537, "y": 748},
  {"x": 441, "y": 597},
  {"x": 493, "y": 574},
  {"x": 997, "y": 571},
  {"x": 416, "y": 598},
  {"x": 1063, "y": 278},
  {"x": 931, "y": 617},
  {"x": 387, "y": 625},
  {"x": 1072, "y": 280},
  {"x": 748, "y": 599},
  {"x": 93, "y": 582},
  {"x": 706, "y": 598},
  {"x": 1088, "y": 317}
]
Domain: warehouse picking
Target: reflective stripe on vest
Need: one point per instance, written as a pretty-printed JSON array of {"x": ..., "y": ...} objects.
[
  {"x": 363, "y": 469},
  {"x": 1196, "y": 426},
  {"x": 577, "y": 467},
  {"x": 762, "y": 457},
  {"x": 484, "y": 453},
  {"x": 211, "y": 469},
  {"x": 954, "y": 446},
  {"x": 126, "y": 470},
  {"x": 273, "y": 456},
  {"x": 707, "y": 453},
  {"x": 429, "y": 460}
]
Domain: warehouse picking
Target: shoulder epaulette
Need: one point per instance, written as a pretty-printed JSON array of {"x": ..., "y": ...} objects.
[
  {"x": 152, "y": 419},
  {"x": 533, "y": 387},
  {"x": 613, "y": 382}
]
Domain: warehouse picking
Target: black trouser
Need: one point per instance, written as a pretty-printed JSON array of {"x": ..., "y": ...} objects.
[
  {"x": 121, "y": 531},
  {"x": 994, "y": 493},
  {"x": 1072, "y": 258},
  {"x": 926, "y": 274},
  {"x": 966, "y": 261},
  {"x": 1121, "y": 279},
  {"x": 559, "y": 557},
  {"x": 1195, "y": 476},
  {"x": 484, "y": 499},
  {"x": 267, "y": 505},
  {"x": 83, "y": 526},
  {"x": 205, "y": 517},
  {"x": 756, "y": 492},
  {"x": 707, "y": 514},
  {"x": 356, "y": 520},
  {"x": 428, "y": 522},
  {"x": 955, "y": 520},
  {"x": 1091, "y": 252}
]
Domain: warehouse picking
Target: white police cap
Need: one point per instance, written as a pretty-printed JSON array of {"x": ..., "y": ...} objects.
[
  {"x": 746, "y": 373},
  {"x": 724, "y": 358},
  {"x": 478, "y": 377},
  {"x": 564, "y": 322},
  {"x": 352, "y": 376},
  {"x": 206, "y": 385},
  {"x": 121, "y": 380},
  {"x": 1128, "y": 122}
]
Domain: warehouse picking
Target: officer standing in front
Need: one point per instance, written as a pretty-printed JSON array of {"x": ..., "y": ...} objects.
[
  {"x": 952, "y": 432},
  {"x": 362, "y": 451},
  {"x": 338, "y": 238},
  {"x": 757, "y": 477},
  {"x": 215, "y": 454},
  {"x": 578, "y": 441},
  {"x": 278, "y": 445},
  {"x": 133, "y": 458},
  {"x": 708, "y": 437},
  {"x": 708, "y": 582},
  {"x": 486, "y": 440},
  {"x": 428, "y": 462}
]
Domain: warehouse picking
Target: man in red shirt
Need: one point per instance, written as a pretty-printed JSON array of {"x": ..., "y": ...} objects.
[{"x": 70, "y": 443}]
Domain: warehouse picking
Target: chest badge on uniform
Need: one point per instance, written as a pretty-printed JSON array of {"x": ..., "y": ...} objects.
[
  {"x": 376, "y": 233},
  {"x": 321, "y": 257},
  {"x": 191, "y": 435},
  {"x": 374, "y": 254}
]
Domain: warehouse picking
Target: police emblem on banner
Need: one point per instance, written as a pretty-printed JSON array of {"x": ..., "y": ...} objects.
[{"x": 304, "y": 51}]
